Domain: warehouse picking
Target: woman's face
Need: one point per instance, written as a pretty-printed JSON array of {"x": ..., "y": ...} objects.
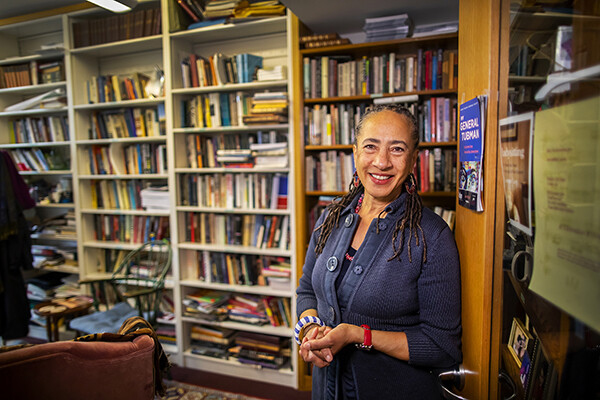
[{"x": 384, "y": 155}]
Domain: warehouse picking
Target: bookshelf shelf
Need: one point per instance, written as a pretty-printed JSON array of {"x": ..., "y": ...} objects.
[
  {"x": 284, "y": 376},
  {"x": 103, "y": 211},
  {"x": 56, "y": 205},
  {"x": 231, "y": 87},
  {"x": 221, "y": 210},
  {"x": 61, "y": 172},
  {"x": 33, "y": 112},
  {"x": 137, "y": 176},
  {"x": 233, "y": 129},
  {"x": 121, "y": 48},
  {"x": 235, "y": 249},
  {"x": 141, "y": 139},
  {"x": 100, "y": 244},
  {"x": 230, "y": 170},
  {"x": 227, "y": 32},
  {"x": 371, "y": 97},
  {"x": 31, "y": 89},
  {"x": 250, "y": 289},
  {"x": 35, "y": 144},
  {"x": 119, "y": 104},
  {"x": 33, "y": 57},
  {"x": 266, "y": 329},
  {"x": 53, "y": 236}
]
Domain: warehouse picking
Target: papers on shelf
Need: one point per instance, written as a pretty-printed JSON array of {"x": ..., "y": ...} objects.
[
  {"x": 48, "y": 100},
  {"x": 156, "y": 198}
]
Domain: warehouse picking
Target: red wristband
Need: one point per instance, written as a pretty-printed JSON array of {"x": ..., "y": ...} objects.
[{"x": 366, "y": 344}]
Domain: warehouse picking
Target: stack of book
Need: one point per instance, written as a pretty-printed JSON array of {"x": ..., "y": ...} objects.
[
  {"x": 247, "y": 309},
  {"x": 206, "y": 304},
  {"x": 211, "y": 341},
  {"x": 221, "y": 8},
  {"x": 156, "y": 198},
  {"x": 258, "y": 9},
  {"x": 268, "y": 107},
  {"x": 270, "y": 155},
  {"x": 322, "y": 40},
  {"x": 276, "y": 73},
  {"x": 277, "y": 273},
  {"x": 388, "y": 28},
  {"x": 261, "y": 350}
]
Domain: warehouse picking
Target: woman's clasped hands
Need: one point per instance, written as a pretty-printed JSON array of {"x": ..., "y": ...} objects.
[{"x": 321, "y": 343}]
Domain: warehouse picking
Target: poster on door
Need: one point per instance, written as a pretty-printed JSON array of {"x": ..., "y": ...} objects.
[
  {"x": 566, "y": 189},
  {"x": 516, "y": 141},
  {"x": 471, "y": 140}
]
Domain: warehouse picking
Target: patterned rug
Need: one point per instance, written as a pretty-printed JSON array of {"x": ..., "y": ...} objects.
[{"x": 183, "y": 391}]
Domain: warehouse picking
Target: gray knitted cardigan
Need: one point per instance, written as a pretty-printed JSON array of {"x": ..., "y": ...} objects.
[{"x": 420, "y": 299}]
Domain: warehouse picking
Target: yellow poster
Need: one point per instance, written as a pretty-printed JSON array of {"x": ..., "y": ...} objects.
[{"x": 566, "y": 176}]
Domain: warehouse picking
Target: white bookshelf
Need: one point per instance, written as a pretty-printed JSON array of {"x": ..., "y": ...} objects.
[{"x": 268, "y": 38}]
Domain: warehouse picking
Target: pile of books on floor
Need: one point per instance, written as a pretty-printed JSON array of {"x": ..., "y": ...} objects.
[
  {"x": 388, "y": 28},
  {"x": 268, "y": 108}
]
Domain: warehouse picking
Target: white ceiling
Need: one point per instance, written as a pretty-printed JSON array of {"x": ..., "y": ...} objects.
[{"x": 321, "y": 16}]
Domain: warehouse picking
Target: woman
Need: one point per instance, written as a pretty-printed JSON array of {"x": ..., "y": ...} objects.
[{"x": 382, "y": 277}]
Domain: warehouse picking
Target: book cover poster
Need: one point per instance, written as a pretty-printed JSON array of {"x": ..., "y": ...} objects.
[
  {"x": 566, "y": 189},
  {"x": 516, "y": 141},
  {"x": 471, "y": 154}
]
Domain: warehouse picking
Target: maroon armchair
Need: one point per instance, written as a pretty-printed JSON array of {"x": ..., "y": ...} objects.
[{"x": 102, "y": 366}]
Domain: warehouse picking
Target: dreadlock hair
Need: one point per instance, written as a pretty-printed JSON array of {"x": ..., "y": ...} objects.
[{"x": 411, "y": 217}]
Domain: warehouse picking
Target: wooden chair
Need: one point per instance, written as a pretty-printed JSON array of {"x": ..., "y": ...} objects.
[{"x": 134, "y": 289}]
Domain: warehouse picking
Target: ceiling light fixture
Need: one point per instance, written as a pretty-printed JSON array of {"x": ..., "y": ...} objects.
[{"x": 117, "y": 6}]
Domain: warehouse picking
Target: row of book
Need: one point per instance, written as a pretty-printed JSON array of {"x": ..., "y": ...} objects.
[
  {"x": 107, "y": 88},
  {"x": 128, "y": 122},
  {"x": 260, "y": 231},
  {"x": 340, "y": 76},
  {"x": 244, "y": 269},
  {"x": 436, "y": 170},
  {"x": 215, "y": 110},
  {"x": 116, "y": 194},
  {"x": 130, "y": 228},
  {"x": 260, "y": 350},
  {"x": 31, "y": 73},
  {"x": 218, "y": 69},
  {"x": 40, "y": 159},
  {"x": 39, "y": 129},
  {"x": 329, "y": 171},
  {"x": 131, "y": 25},
  {"x": 240, "y": 307},
  {"x": 135, "y": 159},
  {"x": 437, "y": 119},
  {"x": 213, "y": 151},
  {"x": 332, "y": 124},
  {"x": 234, "y": 191}
]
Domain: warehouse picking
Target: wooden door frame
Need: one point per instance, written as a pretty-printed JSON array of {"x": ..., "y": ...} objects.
[{"x": 478, "y": 235}]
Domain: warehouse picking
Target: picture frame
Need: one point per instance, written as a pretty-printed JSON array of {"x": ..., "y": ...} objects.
[{"x": 520, "y": 342}]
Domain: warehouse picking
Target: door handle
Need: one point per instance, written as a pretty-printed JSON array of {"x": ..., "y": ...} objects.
[
  {"x": 503, "y": 376},
  {"x": 456, "y": 378}
]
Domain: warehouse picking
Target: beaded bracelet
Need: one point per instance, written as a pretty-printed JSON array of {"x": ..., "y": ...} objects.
[{"x": 304, "y": 321}]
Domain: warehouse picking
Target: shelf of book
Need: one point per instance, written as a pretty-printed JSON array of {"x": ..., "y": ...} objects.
[
  {"x": 55, "y": 173},
  {"x": 231, "y": 87},
  {"x": 33, "y": 112},
  {"x": 235, "y": 249},
  {"x": 242, "y": 211},
  {"x": 250, "y": 289},
  {"x": 233, "y": 129},
  {"x": 32, "y": 89},
  {"x": 122, "y": 103},
  {"x": 228, "y": 32},
  {"x": 283, "y": 376},
  {"x": 127, "y": 176}
]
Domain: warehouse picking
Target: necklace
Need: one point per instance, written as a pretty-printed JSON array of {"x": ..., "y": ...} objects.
[{"x": 356, "y": 210}]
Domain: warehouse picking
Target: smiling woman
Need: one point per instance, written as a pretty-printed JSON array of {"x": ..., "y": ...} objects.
[{"x": 379, "y": 298}]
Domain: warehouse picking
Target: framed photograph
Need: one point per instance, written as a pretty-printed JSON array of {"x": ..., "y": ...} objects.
[{"x": 520, "y": 342}]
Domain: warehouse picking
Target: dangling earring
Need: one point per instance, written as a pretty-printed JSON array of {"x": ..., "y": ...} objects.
[
  {"x": 410, "y": 184},
  {"x": 355, "y": 179}
]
